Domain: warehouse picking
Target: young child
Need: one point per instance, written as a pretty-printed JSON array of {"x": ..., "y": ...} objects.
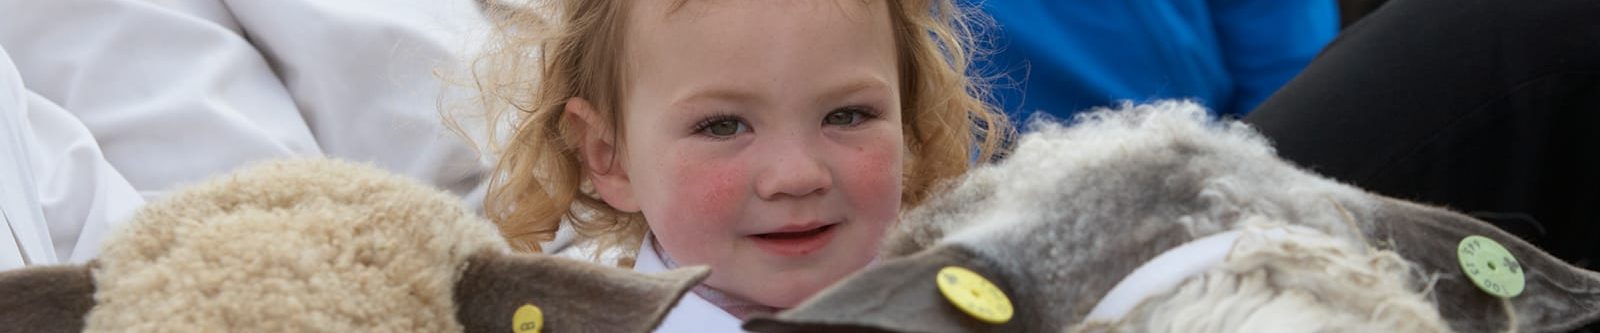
[{"x": 774, "y": 141}]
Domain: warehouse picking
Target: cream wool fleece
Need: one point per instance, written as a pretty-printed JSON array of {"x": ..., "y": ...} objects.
[{"x": 296, "y": 251}]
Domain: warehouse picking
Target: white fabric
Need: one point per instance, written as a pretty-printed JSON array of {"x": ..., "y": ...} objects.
[
  {"x": 60, "y": 196},
  {"x": 24, "y": 238},
  {"x": 692, "y": 314},
  {"x": 175, "y": 92},
  {"x": 1167, "y": 270},
  {"x": 170, "y": 98},
  {"x": 363, "y": 75},
  {"x": 109, "y": 97}
]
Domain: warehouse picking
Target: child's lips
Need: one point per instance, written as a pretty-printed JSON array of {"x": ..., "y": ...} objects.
[{"x": 795, "y": 241}]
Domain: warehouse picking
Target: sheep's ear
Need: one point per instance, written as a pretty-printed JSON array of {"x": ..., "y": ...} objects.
[
  {"x": 1557, "y": 296},
  {"x": 46, "y": 298},
  {"x": 897, "y": 295},
  {"x": 572, "y": 296}
]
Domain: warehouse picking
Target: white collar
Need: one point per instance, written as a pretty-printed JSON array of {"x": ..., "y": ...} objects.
[
  {"x": 692, "y": 314},
  {"x": 1174, "y": 266}
]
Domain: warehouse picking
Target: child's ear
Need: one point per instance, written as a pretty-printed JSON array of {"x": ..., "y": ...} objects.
[
  {"x": 46, "y": 298},
  {"x": 598, "y": 150}
]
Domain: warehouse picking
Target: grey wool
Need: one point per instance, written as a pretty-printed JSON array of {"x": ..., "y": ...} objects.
[{"x": 1074, "y": 209}]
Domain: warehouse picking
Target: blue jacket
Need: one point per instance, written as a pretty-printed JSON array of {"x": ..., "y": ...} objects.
[{"x": 1063, "y": 56}]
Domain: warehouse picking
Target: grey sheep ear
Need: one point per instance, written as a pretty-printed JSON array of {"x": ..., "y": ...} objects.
[
  {"x": 1557, "y": 296},
  {"x": 46, "y": 298},
  {"x": 897, "y": 295},
  {"x": 573, "y": 296}
]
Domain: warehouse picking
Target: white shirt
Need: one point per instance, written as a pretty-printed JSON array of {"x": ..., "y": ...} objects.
[
  {"x": 692, "y": 314},
  {"x": 178, "y": 91},
  {"x": 108, "y": 103},
  {"x": 58, "y": 195}
]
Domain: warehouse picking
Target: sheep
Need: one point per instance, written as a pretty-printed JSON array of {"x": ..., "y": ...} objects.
[
  {"x": 1076, "y": 209},
  {"x": 325, "y": 246}
]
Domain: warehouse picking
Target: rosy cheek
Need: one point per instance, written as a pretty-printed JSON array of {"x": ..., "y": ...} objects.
[
  {"x": 875, "y": 178},
  {"x": 708, "y": 191}
]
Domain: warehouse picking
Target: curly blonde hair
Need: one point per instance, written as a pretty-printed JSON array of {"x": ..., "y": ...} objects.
[{"x": 542, "y": 54}]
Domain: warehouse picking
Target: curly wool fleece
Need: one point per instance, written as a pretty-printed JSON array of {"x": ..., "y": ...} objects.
[
  {"x": 336, "y": 262},
  {"x": 1074, "y": 210},
  {"x": 1119, "y": 188}
]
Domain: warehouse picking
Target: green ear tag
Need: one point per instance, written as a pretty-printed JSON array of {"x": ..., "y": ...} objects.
[
  {"x": 1490, "y": 266},
  {"x": 974, "y": 295},
  {"x": 527, "y": 319}
]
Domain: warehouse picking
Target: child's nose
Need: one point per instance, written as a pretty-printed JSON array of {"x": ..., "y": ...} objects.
[{"x": 794, "y": 171}]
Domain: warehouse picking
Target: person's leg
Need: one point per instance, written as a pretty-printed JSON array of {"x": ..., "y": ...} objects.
[{"x": 1490, "y": 107}]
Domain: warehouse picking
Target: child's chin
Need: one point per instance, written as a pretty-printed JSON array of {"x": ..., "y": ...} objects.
[
  {"x": 790, "y": 290},
  {"x": 791, "y": 298}
]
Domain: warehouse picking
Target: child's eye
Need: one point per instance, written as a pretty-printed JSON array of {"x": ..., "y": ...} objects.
[
  {"x": 721, "y": 127},
  {"x": 848, "y": 116}
]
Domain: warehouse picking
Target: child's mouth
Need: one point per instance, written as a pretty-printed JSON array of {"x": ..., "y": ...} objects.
[{"x": 795, "y": 243}]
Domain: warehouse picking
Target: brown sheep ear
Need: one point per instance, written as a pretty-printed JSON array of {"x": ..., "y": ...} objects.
[
  {"x": 46, "y": 298},
  {"x": 573, "y": 296},
  {"x": 897, "y": 295},
  {"x": 1557, "y": 296}
]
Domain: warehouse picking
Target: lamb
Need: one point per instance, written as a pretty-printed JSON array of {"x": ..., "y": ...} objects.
[
  {"x": 320, "y": 245},
  {"x": 1076, "y": 210}
]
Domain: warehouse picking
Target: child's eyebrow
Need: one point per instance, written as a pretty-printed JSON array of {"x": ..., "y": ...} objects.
[
  {"x": 739, "y": 95},
  {"x": 717, "y": 94},
  {"x": 851, "y": 87}
]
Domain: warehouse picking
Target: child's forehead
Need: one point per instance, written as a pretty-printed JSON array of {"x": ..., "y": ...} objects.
[
  {"x": 796, "y": 51},
  {"x": 730, "y": 28},
  {"x": 671, "y": 10},
  {"x": 651, "y": 22}
]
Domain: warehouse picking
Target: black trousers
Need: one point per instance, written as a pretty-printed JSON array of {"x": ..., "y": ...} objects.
[{"x": 1489, "y": 107}]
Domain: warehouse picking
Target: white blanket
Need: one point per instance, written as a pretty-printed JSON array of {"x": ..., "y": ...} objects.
[{"x": 125, "y": 100}]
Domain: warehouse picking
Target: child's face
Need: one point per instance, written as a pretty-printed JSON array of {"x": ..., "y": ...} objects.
[{"x": 763, "y": 138}]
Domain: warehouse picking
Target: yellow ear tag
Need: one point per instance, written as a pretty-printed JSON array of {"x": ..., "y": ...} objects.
[
  {"x": 528, "y": 319},
  {"x": 1490, "y": 266},
  {"x": 974, "y": 295}
]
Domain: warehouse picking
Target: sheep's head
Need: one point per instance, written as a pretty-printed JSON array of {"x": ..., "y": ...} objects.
[
  {"x": 317, "y": 245},
  {"x": 1074, "y": 210}
]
